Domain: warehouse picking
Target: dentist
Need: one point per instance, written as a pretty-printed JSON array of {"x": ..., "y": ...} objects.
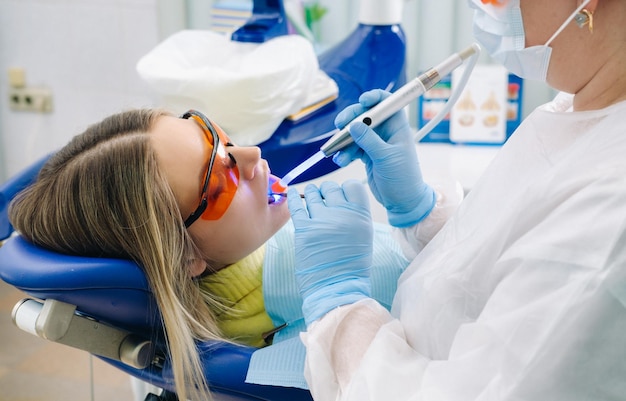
[{"x": 521, "y": 295}]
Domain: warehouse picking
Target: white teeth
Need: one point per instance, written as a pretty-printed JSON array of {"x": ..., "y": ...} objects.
[{"x": 273, "y": 198}]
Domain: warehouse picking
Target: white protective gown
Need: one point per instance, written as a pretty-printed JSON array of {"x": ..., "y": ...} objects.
[{"x": 521, "y": 295}]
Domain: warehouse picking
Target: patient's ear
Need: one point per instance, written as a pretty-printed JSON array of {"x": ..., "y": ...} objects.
[{"x": 196, "y": 267}]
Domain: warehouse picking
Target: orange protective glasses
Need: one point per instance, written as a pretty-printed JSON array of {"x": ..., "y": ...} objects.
[{"x": 222, "y": 175}]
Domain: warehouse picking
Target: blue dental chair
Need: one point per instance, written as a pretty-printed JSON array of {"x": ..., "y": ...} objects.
[{"x": 105, "y": 307}]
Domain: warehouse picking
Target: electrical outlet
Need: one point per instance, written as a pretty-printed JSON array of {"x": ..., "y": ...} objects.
[{"x": 33, "y": 99}]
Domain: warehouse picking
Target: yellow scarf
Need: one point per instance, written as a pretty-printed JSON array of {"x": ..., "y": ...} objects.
[{"x": 240, "y": 288}]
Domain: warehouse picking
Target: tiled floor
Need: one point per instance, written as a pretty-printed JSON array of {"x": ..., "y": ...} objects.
[{"x": 33, "y": 369}]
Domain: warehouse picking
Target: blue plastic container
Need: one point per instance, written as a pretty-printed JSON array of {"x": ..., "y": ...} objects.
[{"x": 267, "y": 21}]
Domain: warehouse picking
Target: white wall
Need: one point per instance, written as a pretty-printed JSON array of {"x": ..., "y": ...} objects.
[{"x": 85, "y": 52}]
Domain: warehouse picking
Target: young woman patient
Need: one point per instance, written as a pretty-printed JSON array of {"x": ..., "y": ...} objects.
[{"x": 192, "y": 209}]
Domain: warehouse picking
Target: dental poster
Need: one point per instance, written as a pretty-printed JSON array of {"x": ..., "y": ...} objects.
[{"x": 480, "y": 114}]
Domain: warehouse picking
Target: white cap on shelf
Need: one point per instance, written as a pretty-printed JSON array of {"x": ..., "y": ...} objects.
[{"x": 381, "y": 12}]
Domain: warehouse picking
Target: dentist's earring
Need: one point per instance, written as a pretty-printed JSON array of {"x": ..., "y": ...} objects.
[{"x": 584, "y": 17}]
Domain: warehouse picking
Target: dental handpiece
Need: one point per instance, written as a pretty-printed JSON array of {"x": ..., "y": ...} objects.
[{"x": 398, "y": 99}]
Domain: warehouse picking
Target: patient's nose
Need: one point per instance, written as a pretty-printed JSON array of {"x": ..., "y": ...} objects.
[{"x": 247, "y": 158}]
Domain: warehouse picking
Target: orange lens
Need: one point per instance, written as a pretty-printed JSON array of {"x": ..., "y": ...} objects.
[{"x": 223, "y": 174}]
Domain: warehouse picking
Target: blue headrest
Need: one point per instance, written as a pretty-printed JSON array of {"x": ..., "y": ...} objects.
[{"x": 111, "y": 289}]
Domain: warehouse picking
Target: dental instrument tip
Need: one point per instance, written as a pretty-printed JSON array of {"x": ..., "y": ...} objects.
[
  {"x": 277, "y": 187},
  {"x": 470, "y": 51}
]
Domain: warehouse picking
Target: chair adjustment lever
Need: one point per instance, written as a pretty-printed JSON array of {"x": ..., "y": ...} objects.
[{"x": 59, "y": 322}]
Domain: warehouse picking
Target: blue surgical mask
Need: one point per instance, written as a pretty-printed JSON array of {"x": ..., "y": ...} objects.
[{"x": 500, "y": 30}]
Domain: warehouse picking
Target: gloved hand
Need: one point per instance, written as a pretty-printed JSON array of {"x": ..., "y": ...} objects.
[
  {"x": 334, "y": 242},
  {"x": 389, "y": 155}
]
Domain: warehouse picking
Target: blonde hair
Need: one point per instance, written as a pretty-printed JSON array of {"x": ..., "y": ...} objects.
[{"x": 103, "y": 195}]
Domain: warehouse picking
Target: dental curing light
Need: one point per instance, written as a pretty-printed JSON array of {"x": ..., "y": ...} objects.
[
  {"x": 385, "y": 109},
  {"x": 399, "y": 99}
]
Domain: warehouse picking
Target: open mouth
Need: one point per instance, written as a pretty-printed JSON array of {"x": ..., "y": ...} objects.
[
  {"x": 275, "y": 198},
  {"x": 272, "y": 195}
]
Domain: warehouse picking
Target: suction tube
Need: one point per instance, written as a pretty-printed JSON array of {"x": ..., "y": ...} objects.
[{"x": 400, "y": 98}]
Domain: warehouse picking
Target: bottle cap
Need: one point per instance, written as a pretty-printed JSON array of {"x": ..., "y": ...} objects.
[{"x": 381, "y": 12}]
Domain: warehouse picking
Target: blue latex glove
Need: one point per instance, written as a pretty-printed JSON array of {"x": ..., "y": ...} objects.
[
  {"x": 389, "y": 155},
  {"x": 334, "y": 242}
]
